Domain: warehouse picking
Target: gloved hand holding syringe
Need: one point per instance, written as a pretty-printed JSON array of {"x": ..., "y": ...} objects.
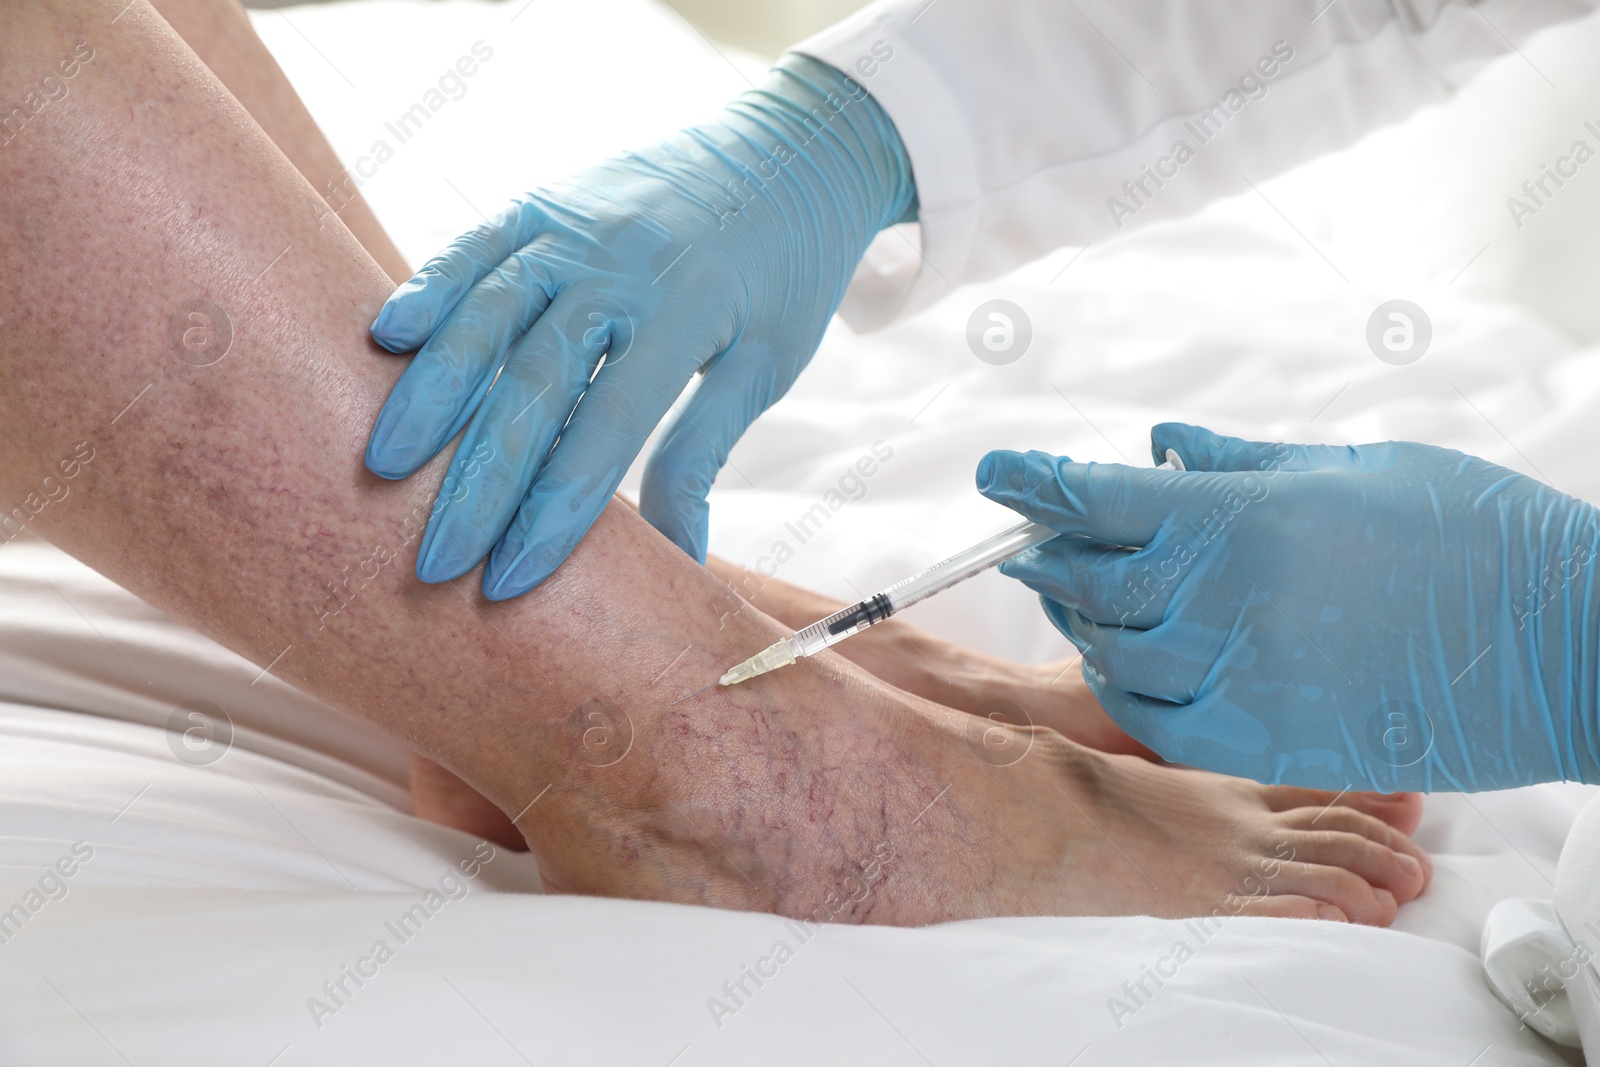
[{"x": 825, "y": 633}]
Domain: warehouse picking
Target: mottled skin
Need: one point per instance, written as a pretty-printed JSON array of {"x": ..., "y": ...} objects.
[{"x": 233, "y": 496}]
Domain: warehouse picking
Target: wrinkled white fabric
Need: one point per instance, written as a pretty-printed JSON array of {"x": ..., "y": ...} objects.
[
  {"x": 1542, "y": 956},
  {"x": 227, "y": 976}
]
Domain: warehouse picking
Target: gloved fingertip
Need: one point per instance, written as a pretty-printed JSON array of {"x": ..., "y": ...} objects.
[
  {"x": 381, "y": 457},
  {"x": 515, "y": 570},
  {"x": 984, "y": 475},
  {"x": 503, "y": 585},
  {"x": 1182, "y": 438},
  {"x": 995, "y": 469},
  {"x": 450, "y": 547},
  {"x": 1022, "y": 567},
  {"x": 381, "y": 465},
  {"x": 682, "y": 517},
  {"x": 389, "y": 341},
  {"x": 386, "y": 455},
  {"x": 1096, "y": 681},
  {"x": 413, "y": 425},
  {"x": 1162, "y": 437},
  {"x": 393, "y": 331},
  {"x": 405, "y": 321},
  {"x": 1006, "y": 477},
  {"x": 441, "y": 560},
  {"x": 504, "y": 588},
  {"x": 692, "y": 543}
]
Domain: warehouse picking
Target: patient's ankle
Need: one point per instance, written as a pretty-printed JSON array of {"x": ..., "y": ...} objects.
[
  {"x": 744, "y": 797},
  {"x": 441, "y": 797}
]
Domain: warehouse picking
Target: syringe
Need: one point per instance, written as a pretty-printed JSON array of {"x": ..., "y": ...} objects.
[{"x": 936, "y": 579}]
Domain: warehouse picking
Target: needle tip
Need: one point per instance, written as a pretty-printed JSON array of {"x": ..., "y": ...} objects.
[{"x": 696, "y": 693}]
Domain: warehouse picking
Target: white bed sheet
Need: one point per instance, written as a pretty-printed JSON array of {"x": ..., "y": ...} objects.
[
  {"x": 220, "y": 897},
  {"x": 500, "y": 979}
]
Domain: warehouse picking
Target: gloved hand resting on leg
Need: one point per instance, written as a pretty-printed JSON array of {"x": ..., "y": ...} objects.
[{"x": 725, "y": 248}]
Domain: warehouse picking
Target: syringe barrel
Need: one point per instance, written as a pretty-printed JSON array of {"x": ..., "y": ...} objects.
[
  {"x": 840, "y": 625},
  {"x": 857, "y": 617},
  {"x": 937, "y": 578},
  {"x": 958, "y": 568}
]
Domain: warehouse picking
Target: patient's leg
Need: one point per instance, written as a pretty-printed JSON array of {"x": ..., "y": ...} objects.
[
  {"x": 232, "y": 495},
  {"x": 220, "y": 33},
  {"x": 1051, "y": 695}
]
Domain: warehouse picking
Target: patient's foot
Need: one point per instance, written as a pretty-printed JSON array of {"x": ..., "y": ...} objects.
[
  {"x": 822, "y": 793},
  {"x": 1052, "y": 695},
  {"x": 1056, "y": 696}
]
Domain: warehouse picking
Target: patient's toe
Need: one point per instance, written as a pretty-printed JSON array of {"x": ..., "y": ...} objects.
[
  {"x": 1382, "y": 867},
  {"x": 1410, "y": 860},
  {"x": 1341, "y": 887},
  {"x": 1403, "y": 811},
  {"x": 1286, "y": 906}
]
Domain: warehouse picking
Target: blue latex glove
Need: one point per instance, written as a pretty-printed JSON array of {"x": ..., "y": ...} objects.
[
  {"x": 725, "y": 248},
  {"x": 1382, "y": 617}
]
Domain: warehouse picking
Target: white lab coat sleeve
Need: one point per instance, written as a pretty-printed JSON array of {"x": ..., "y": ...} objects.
[{"x": 1037, "y": 124}]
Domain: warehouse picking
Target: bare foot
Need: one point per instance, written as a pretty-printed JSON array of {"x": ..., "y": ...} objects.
[
  {"x": 1403, "y": 811},
  {"x": 1052, "y": 695},
  {"x": 1056, "y": 696},
  {"x": 823, "y": 794}
]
